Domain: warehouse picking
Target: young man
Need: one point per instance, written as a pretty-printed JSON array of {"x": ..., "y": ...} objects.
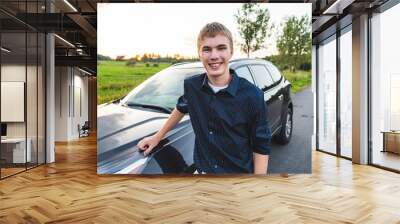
[{"x": 227, "y": 112}]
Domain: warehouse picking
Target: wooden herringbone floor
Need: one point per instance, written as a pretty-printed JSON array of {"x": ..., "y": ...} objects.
[{"x": 70, "y": 191}]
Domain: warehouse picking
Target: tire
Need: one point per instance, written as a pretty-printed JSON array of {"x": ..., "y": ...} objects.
[{"x": 285, "y": 134}]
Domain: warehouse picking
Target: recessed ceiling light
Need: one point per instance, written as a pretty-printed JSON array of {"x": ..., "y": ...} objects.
[
  {"x": 338, "y": 6},
  {"x": 70, "y": 5},
  {"x": 5, "y": 49},
  {"x": 64, "y": 40},
  {"x": 86, "y": 72}
]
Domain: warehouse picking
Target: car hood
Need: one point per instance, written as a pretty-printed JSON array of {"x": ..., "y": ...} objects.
[{"x": 120, "y": 128}]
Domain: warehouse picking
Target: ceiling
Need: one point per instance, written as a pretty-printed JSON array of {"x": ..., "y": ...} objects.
[
  {"x": 75, "y": 21},
  {"x": 330, "y": 15}
]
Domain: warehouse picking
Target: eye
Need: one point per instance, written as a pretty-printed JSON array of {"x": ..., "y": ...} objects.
[
  {"x": 206, "y": 49},
  {"x": 222, "y": 47}
]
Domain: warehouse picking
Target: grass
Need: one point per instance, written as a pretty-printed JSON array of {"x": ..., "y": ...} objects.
[
  {"x": 115, "y": 79},
  {"x": 300, "y": 79}
]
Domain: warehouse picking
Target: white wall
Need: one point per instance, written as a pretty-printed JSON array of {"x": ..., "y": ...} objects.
[
  {"x": 62, "y": 80},
  {"x": 33, "y": 126},
  {"x": 12, "y": 100},
  {"x": 50, "y": 93},
  {"x": 12, "y": 73},
  {"x": 360, "y": 90},
  {"x": 81, "y": 83},
  {"x": 70, "y": 84}
]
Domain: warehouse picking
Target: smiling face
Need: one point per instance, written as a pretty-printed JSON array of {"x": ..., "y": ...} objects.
[{"x": 215, "y": 53}]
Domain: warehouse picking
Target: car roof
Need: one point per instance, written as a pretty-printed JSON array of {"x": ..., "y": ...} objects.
[
  {"x": 188, "y": 65},
  {"x": 232, "y": 63}
]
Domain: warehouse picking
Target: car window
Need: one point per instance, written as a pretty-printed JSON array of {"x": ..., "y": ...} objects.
[
  {"x": 244, "y": 72},
  {"x": 262, "y": 76},
  {"x": 275, "y": 73},
  {"x": 162, "y": 89}
]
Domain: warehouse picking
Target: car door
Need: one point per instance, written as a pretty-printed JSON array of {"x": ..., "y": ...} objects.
[
  {"x": 277, "y": 77},
  {"x": 265, "y": 82},
  {"x": 245, "y": 73}
]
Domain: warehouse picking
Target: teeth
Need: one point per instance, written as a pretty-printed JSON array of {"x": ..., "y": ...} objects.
[{"x": 215, "y": 65}]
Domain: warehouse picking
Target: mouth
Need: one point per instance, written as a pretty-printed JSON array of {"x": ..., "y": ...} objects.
[{"x": 215, "y": 65}]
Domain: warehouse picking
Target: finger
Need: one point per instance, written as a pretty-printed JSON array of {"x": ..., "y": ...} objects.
[
  {"x": 144, "y": 147},
  {"x": 148, "y": 150},
  {"x": 140, "y": 144}
]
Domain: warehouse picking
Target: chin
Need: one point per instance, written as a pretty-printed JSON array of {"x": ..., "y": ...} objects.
[{"x": 215, "y": 73}]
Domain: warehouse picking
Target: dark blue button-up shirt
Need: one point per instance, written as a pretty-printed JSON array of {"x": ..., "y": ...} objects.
[{"x": 229, "y": 125}]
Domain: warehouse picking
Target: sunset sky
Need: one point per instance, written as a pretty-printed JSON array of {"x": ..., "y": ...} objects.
[{"x": 136, "y": 28}]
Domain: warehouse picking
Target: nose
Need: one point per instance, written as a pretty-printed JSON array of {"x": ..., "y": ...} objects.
[{"x": 214, "y": 54}]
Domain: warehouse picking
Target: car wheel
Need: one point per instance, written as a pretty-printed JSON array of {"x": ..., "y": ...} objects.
[{"x": 285, "y": 133}]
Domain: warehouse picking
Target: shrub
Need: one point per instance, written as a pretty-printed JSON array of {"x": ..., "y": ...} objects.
[
  {"x": 120, "y": 58},
  {"x": 305, "y": 66},
  {"x": 131, "y": 62}
]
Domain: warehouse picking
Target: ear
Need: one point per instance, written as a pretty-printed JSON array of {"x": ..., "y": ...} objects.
[
  {"x": 231, "y": 48},
  {"x": 231, "y": 53}
]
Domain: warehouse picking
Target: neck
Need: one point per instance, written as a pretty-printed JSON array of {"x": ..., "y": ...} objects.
[{"x": 221, "y": 80}]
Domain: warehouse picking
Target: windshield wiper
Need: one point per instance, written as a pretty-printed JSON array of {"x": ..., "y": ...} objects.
[{"x": 151, "y": 106}]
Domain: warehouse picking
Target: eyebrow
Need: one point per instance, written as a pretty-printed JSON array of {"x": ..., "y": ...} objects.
[{"x": 218, "y": 46}]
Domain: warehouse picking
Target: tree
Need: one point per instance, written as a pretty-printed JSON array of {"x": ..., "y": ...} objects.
[
  {"x": 253, "y": 24},
  {"x": 131, "y": 62},
  {"x": 103, "y": 58},
  {"x": 120, "y": 58},
  {"x": 295, "y": 40},
  {"x": 145, "y": 57}
]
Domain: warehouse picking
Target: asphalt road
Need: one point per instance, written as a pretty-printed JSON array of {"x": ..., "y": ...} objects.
[{"x": 295, "y": 157}]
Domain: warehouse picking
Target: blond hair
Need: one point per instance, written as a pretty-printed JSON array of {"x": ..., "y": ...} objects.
[{"x": 211, "y": 30}]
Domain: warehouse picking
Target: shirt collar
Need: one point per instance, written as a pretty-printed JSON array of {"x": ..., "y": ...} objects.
[{"x": 232, "y": 86}]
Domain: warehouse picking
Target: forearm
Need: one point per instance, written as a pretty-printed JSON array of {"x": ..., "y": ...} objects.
[
  {"x": 260, "y": 163},
  {"x": 173, "y": 119}
]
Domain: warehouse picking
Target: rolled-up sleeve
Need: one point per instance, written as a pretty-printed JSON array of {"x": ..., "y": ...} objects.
[
  {"x": 261, "y": 134},
  {"x": 182, "y": 104}
]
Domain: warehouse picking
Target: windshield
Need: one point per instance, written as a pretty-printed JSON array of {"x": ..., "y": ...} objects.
[{"x": 163, "y": 89}]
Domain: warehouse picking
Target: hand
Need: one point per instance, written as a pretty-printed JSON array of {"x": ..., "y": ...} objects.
[
  {"x": 260, "y": 163},
  {"x": 147, "y": 144}
]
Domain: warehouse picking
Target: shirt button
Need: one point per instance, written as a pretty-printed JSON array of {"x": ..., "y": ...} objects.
[
  {"x": 211, "y": 132},
  {"x": 215, "y": 166}
]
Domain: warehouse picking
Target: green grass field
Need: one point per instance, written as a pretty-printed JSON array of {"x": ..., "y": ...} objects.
[
  {"x": 115, "y": 79},
  {"x": 299, "y": 80}
]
